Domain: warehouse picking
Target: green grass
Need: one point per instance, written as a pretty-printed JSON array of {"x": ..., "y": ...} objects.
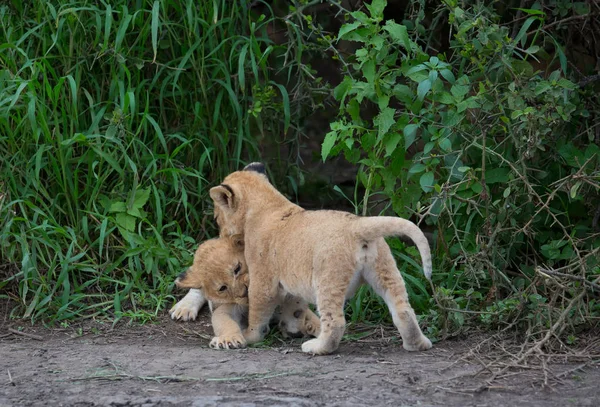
[{"x": 114, "y": 120}]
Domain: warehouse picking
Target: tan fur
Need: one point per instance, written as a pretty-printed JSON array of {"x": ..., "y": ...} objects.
[
  {"x": 320, "y": 256},
  {"x": 215, "y": 264}
]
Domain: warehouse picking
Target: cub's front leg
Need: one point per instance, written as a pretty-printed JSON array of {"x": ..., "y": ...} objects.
[
  {"x": 262, "y": 301},
  {"x": 226, "y": 324},
  {"x": 187, "y": 308}
]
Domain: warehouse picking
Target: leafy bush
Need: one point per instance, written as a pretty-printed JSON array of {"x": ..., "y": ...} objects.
[{"x": 496, "y": 156}]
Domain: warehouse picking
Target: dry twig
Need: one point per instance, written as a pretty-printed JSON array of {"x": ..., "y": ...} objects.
[{"x": 25, "y": 334}]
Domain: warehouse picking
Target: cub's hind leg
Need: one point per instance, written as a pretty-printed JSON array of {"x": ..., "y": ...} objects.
[
  {"x": 331, "y": 294},
  {"x": 297, "y": 318},
  {"x": 386, "y": 280}
]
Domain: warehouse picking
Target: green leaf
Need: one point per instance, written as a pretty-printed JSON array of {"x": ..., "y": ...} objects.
[
  {"x": 392, "y": 143},
  {"x": 459, "y": 91},
  {"x": 416, "y": 69},
  {"x": 428, "y": 147},
  {"x": 346, "y": 28},
  {"x": 581, "y": 8},
  {"x": 426, "y": 181},
  {"x": 117, "y": 207},
  {"x": 135, "y": 212},
  {"x": 574, "y": 189},
  {"x": 141, "y": 197},
  {"x": 361, "y": 54},
  {"x": 542, "y": 87},
  {"x": 399, "y": 34},
  {"x": 572, "y": 155},
  {"x": 446, "y": 145},
  {"x": 496, "y": 175},
  {"x": 330, "y": 139},
  {"x": 368, "y": 69},
  {"x": 561, "y": 56},
  {"x": 286, "y": 106},
  {"x": 448, "y": 75},
  {"x": 242, "y": 68},
  {"x": 155, "y": 11},
  {"x": 376, "y": 9},
  {"x": 567, "y": 84},
  {"x": 107, "y": 25},
  {"x": 531, "y": 11},
  {"x": 341, "y": 90},
  {"x": 125, "y": 221},
  {"x": 416, "y": 168},
  {"x": 117, "y": 302},
  {"x": 384, "y": 121},
  {"x": 521, "y": 35},
  {"x": 353, "y": 108},
  {"x": 424, "y": 87},
  {"x": 470, "y": 103},
  {"x": 376, "y": 42},
  {"x": 383, "y": 101},
  {"x": 403, "y": 93},
  {"x": 446, "y": 98},
  {"x": 410, "y": 133}
]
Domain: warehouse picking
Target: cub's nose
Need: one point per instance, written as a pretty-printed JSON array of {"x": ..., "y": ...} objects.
[{"x": 180, "y": 278}]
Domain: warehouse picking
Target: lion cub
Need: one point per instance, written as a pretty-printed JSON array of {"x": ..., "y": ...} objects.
[
  {"x": 220, "y": 274},
  {"x": 320, "y": 256}
]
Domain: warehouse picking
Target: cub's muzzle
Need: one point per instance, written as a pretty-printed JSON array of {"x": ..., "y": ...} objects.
[{"x": 180, "y": 279}]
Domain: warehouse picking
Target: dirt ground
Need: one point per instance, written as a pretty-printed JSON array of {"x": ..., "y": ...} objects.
[{"x": 169, "y": 364}]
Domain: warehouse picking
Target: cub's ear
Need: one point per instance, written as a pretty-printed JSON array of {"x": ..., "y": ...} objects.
[
  {"x": 256, "y": 167},
  {"x": 238, "y": 241},
  {"x": 223, "y": 196}
]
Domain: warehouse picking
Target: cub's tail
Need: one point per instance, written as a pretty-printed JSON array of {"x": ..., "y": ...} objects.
[{"x": 369, "y": 228}]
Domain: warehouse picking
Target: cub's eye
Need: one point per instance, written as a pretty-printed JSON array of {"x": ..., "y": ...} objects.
[
  {"x": 237, "y": 269},
  {"x": 223, "y": 288}
]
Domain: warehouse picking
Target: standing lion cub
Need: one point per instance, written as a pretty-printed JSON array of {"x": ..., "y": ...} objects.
[
  {"x": 320, "y": 256},
  {"x": 219, "y": 272}
]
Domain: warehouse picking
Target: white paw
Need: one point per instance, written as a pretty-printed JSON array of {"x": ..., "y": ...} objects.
[
  {"x": 235, "y": 341},
  {"x": 187, "y": 309},
  {"x": 422, "y": 344},
  {"x": 315, "y": 347}
]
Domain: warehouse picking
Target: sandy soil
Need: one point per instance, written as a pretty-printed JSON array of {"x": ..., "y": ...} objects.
[{"x": 170, "y": 364}]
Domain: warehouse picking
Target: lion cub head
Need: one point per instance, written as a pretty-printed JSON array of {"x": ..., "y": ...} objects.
[
  {"x": 219, "y": 269},
  {"x": 231, "y": 198}
]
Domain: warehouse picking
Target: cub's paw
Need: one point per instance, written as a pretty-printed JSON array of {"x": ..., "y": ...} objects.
[
  {"x": 311, "y": 324},
  {"x": 187, "y": 309},
  {"x": 423, "y": 343},
  {"x": 315, "y": 347},
  {"x": 235, "y": 341},
  {"x": 254, "y": 335}
]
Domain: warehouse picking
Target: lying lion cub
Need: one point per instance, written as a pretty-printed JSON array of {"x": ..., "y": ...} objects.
[
  {"x": 223, "y": 258},
  {"x": 320, "y": 256}
]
